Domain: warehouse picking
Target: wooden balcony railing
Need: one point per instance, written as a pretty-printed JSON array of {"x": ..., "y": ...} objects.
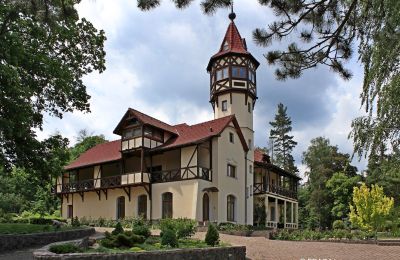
[
  {"x": 187, "y": 173},
  {"x": 261, "y": 188},
  {"x": 102, "y": 183}
]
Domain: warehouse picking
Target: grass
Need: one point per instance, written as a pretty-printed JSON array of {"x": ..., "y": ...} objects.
[{"x": 17, "y": 228}]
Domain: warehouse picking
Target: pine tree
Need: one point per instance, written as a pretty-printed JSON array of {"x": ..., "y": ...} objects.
[{"x": 283, "y": 143}]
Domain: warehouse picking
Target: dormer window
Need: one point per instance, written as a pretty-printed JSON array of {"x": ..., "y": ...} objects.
[
  {"x": 226, "y": 46},
  {"x": 239, "y": 72},
  {"x": 130, "y": 133}
]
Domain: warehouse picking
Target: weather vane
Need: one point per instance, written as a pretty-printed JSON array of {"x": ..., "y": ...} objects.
[{"x": 232, "y": 15}]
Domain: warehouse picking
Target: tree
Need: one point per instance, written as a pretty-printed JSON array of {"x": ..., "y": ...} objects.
[
  {"x": 323, "y": 160},
  {"x": 328, "y": 33},
  {"x": 341, "y": 187},
  {"x": 46, "y": 49},
  {"x": 370, "y": 207},
  {"x": 283, "y": 143},
  {"x": 85, "y": 141},
  {"x": 384, "y": 170}
]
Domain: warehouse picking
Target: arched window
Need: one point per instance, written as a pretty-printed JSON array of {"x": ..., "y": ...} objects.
[
  {"x": 230, "y": 215},
  {"x": 142, "y": 206},
  {"x": 206, "y": 207},
  {"x": 167, "y": 205},
  {"x": 121, "y": 207}
]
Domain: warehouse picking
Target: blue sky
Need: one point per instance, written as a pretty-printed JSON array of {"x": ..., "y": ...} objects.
[{"x": 156, "y": 63}]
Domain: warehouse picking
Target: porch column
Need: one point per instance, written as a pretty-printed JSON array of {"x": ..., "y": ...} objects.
[
  {"x": 291, "y": 212},
  {"x": 276, "y": 209},
  {"x": 297, "y": 215},
  {"x": 266, "y": 210},
  {"x": 284, "y": 214}
]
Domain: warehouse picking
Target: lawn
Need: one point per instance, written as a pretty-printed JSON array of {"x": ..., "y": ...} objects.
[{"x": 19, "y": 228}]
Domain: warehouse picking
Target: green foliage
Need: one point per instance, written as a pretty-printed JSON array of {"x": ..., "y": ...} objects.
[
  {"x": 370, "y": 208},
  {"x": 338, "y": 224},
  {"x": 169, "y": 238},
  {"x": 142, "y": 230},
  {"x": 118, "y": 229},
  {"x": 322, "y": 160},
  {"x": 341, "y": 187},
  {"x": 259, "y": 214},
  {"x": 47, "y": 49},
  {"x": 85, "y": 141},
  {"x": 212, "y": 236},
  {"x": 75, "y": 222},
  {"x": 283, "y": 143},
  {"x": 182, "y": 227},
  {"x": 121, "y": 239},
  {"x": 337, "y": 234},
  {"x": 66, "y": 248}
]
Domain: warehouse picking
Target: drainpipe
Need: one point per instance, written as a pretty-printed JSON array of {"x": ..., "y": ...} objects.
[{"x": 245, "y": 187}]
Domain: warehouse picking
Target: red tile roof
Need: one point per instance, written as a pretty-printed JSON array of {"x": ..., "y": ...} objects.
[
  {"x": 101, "y": 153},
  {"x": 145, "y": 119},
  {"x": 261, "y": 157},
  {"x": 236, "y": 45},
  {"x": 185, "y": 135},
  {"x": 235, "y": 42}
]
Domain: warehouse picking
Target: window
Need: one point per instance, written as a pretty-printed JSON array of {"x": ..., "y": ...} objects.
[
  {"x": 121, "y": 207},
  {"x": 249, "y": 144},
  {"x": 224, "y": 105},
  {"x": 239, "y": 72},
  {"x": 247, "y": 192},
  {"x": 70, "y": 211},
  {"x": 131, "y": 121},
  {"x": 231, "y": 171},
  {"x": 251, "y": 190},
  {"x": 142, "y": 206},
  {"x": 167, "y": 205},
  {"x": 231, "y": 138},
  {"x": 251, "y": 169},
  {"x": 222, "y": 73},
  {"x": 130, "y": 133},
  {"x": 206, "y": 207},
  {"x": 230, "y": 214},
  {"x": 272, "y": 217},
  {"x": 148, "y": 131},
  {"x": 249, "y": 107},
  {"x": 226, "y": 46},
  {"x": 252, "y": 76}
]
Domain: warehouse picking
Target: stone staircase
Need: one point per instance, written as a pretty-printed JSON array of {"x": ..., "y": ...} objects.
[{"x": 389, "y": 242}]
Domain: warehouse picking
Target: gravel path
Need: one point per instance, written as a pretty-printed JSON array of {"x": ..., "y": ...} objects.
[{"x": 261, "y": 248}]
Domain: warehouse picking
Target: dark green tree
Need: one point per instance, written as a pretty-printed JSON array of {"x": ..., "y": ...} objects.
[
  {"x": 323, "y": 160},
  {"x": 329, "y": 33},
  {"x": 46, "y": 49},
  {"x": 283, "y": 143},
  {"x": 85, "y": 141},
  {"x": 384, "y": 170},
  {"x": 341, "y": 185}
]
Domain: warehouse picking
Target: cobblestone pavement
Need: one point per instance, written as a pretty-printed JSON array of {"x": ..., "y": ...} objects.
[
  {"x": 261, "y": 248},
  {"x": 23, "y": 254}
]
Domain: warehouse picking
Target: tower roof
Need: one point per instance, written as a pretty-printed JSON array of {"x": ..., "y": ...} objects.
[{"x": 232, "y": 43}]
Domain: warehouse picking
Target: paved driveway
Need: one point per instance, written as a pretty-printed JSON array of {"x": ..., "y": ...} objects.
[{"x": 261, "y": 248}]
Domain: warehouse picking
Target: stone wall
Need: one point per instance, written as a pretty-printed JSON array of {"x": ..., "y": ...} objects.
[
  {"x": 215, "y": 253},
  {"x": 12, "y": 242}
]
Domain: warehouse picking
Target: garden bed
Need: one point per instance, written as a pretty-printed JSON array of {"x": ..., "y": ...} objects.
[{"x": 21, "y": 228}]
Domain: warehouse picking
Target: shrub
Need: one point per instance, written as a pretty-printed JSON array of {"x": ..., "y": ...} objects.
[
  {"x": 40, "y": 221},
  {"x": 141, "y": 230},
  {"x": 338, "y": 224},
  {"x": 75, "y": 222},
  {"x": 152, "y": 240},
  {"x": 109, "y": 242},
  {"x": 124, "y": 240},
  {"x": 117, "y": 229},
  {"x": 169, "y": 238},
  {"x": 65, "y": 248},
  {"x": 212, "y": 236},
  {"x": 183, "y": 227}
]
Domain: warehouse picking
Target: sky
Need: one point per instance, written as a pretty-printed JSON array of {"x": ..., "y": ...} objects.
[{"x": 156, "y": 63}]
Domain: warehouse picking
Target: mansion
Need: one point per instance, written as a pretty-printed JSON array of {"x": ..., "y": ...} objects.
[{"x": 210, "y": 171}]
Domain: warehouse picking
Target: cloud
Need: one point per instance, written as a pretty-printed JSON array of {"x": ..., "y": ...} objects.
[{"x": 156, "y": 63}]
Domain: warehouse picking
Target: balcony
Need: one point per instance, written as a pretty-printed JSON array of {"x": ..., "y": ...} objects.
[
  {"x": 261, "y": 188},
  {"x": 129, "y": 179},
  {"x": 187, "y": 173}
]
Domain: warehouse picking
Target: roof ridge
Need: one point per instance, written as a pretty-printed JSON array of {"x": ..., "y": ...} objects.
[
  {"x": 213, "y": 120},
  {"x": 150, "y": 116}
]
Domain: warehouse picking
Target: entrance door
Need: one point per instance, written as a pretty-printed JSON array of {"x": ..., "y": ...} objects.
[{"x": 206, "y": 207}]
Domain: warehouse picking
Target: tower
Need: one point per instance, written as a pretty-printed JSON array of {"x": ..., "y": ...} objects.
[{"x": 233, "y": 80}]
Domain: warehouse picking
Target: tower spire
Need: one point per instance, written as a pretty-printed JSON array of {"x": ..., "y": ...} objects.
[{"x": 232, "y": 15}]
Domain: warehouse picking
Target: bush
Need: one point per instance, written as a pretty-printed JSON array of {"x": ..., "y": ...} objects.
[
  {"x": 117, "y": 229},
  {"x": 124, "y": 240},
  {"x": 65, "y": 248},
  {"x": 338, "y": 224},
  {"x": 212, "y": 236},
  {"x": 40, "y": 221},
  {"x": 183, "y": 227},
  {"x": 152, "y": 240},
  {"x": 75, "y": 222},
  {"x": 109, "y": 242},
  {"x": 141, "y": 230},
  {"x": 169, "y": 238}
]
